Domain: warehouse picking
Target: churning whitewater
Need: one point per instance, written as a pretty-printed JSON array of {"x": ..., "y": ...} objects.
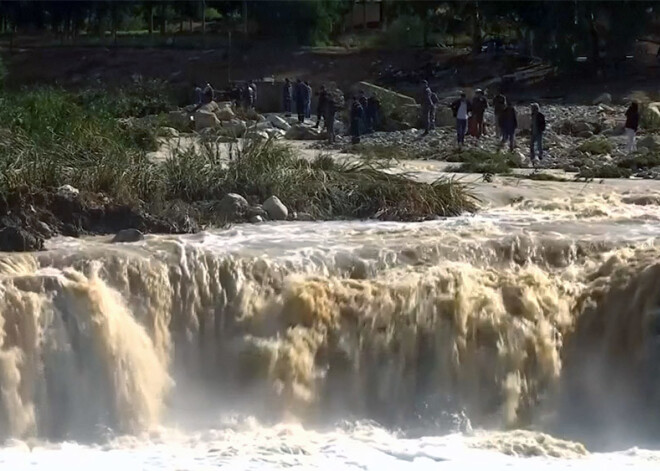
[{"x": 527, "y": 335}]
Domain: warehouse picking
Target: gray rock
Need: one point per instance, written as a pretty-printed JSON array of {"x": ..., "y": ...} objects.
[
  {"x": 128, "y": 235},
  {"x": 167, "y": 132},
  {"x": 585, "y": 134},
  {"x": 603, "y": 99},
  {"x": 303, "y": 133},
  {"x": 15, "y": 239},
  {"x": 276, "y": 209},
  {"x": 257, "y": 210},
  {"x": 68, "y": 192},
  {"x": 649, "y": 142},
  {"x": 232, "y": 207},
  {"x": 256, "y": 219},
  {"x": 257, "y": 135},
  {"x": 205, "y": 119},
  {"x": 279, "y": 123},
  {"x": 225, "y": 112},
  {"x": 233, "y": 128},
  {"x": 178, "y": 119},
  {"x": 580, "y": 127}
]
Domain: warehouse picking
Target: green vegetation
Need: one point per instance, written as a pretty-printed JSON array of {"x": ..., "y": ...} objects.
[
  {"x": 50, "y": 137},
  {"x": 481, "y": 161},
  {"x": 385, "y": 152},
  {"x": 603, "y": 171},
  {"x": 640, "y": 161},
  {"x": 544, "y": 177},
  {"x": 596, "y": 146},
  {"x": 321, "y": 188}
]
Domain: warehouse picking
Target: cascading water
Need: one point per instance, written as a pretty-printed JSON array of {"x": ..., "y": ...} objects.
[{"x": 495, "y": 322}]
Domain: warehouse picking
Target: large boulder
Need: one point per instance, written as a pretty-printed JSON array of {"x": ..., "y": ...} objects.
[
  {"x": 225, "y": 112},
  {"x": 279, "y": 122},
  {"x": 232, "y": 207},
  {"x": 178, "y": 119},
  {"x": 275, "y": 209},
  {"x": 233, "y": 128},
  {"x": 300, "y": 132},
  {"x": 444, "y": 117},
  {"x": 257, "y": 135},
  {"x": 275, "y": 133},
  {"x": 15, "y": 239},
  {"x": 603, "y": 99},
  {"x": 649, "y": 142},
  {"x": 128, "y": 235},
  {"x": 205, "y": 119},
  {"x": 650, "y": 118},
  {"x": 263, "y": 126}
]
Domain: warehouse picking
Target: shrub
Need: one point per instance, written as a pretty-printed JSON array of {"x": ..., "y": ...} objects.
[
  {"x": 480, "y": 161},
  {"x": 596, "y": 146}
]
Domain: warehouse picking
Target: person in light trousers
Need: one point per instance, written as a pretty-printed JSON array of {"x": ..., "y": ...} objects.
[{"x": 632, "y": 123}]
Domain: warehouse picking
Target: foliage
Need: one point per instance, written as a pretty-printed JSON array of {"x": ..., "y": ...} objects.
[
  {"x": 481, "y": 161},
  {"x": 596, "y": 146},
  {"x": 603, "y": 171},
  {"x": 405, "y": 31},
  {"x": 640, "y": 161}
]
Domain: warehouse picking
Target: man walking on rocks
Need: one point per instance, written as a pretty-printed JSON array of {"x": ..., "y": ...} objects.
[
  {"x": 427, "y": 107},
  {"x": 308, "y": 100},
  {"x": 300, "y": 93},
  {"x": 287, "y": 97},
  {"x": 320, "y": 107},
  {"x": 357, "y": 116},
  {"x": 508, "y": 123},
  {"x": 499, "y": 104},
  {"x": 373, "y": 112},
  {"x": 334, "y": 102},
  {"x": 632, "y": 123},
  {"x": 461, "y": 109},
  {"x": 538, "y": 127},
  {"x": 479, "y": 106}
]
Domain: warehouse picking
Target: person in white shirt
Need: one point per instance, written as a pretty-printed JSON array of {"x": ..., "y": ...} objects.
[{"x": 461, "y": 109}]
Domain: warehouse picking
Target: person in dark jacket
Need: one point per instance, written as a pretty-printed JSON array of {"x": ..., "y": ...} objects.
[
  {"x": 428, "y": 108},
  {"x": 632, "y": 124},
  {"x": 362, "y": 98},
  {"x": 299, "y": 94},
  {"x": 538, "y": 127},
  {"x": 479, "y": 106},
  {"x": 287, "y": 97},
  {"x": 461, "y": 109},
  {"x": 330, "y": 110},
  {"x": 499, "y": 104},
  {"x": 253, "y": 88},
  {"x": 320, "y": 107},
  {"x": 508, "y": 122},
  {"x": 308, "y": 100},
  {"x": 373, "y": 113},
  {"x": 357, "y": 115}
]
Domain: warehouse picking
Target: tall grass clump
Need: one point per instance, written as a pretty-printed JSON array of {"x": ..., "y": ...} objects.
[
  {"x": 322, "y": 188},
  {"x": 481, "y": 161}
]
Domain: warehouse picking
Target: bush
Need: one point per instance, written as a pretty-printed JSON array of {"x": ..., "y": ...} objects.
[
  {"x": 480, "y": 161},
  {"x": 596, "y": 146},
  {"x": 640, "y": 161},
  {"x": 405, "y": 31},
  {"x": 604, "y": 171}
]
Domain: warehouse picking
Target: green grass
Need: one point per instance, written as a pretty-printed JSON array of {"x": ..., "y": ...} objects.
[
  {"x": 640, "y": 161},
  {"x": 596, "y": 146},
  {"x": 480, "y": 161},
  {"x": 387, "y": 152},
  {"x": 322, "y": 188},
  {"x": 50, "y": 137},
  {"x": 603, "y": 171}
]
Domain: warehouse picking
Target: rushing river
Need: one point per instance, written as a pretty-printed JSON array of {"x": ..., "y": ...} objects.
[{"x": 524, "y": 337}]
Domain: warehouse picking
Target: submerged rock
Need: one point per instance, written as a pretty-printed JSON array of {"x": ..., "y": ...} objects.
[
  {"x": 128, "y": 235},
  {"x": 16, "y": 239},
  {"x": 232, "y": 207}
]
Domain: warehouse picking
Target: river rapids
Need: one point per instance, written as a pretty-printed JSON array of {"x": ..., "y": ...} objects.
[{"x": 526, "y": 336}]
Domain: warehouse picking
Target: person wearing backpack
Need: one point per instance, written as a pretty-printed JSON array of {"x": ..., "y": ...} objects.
[{"x": 538, "y": 127}]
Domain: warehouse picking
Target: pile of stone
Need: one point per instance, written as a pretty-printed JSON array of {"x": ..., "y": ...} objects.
[{"x": 235, "y": 208}]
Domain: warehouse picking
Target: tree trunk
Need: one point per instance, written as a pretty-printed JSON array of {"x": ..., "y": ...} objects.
[
  {"x": 203, "y": 16},
  {"x": 364, "y": 15},
  {"x": 163, "y": 20},
  {"x": 245, "y": 17},
  {"x": 150, "y": 14}
]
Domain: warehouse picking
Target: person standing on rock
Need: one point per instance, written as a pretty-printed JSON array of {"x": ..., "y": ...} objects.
[
  {"x": 499, "y": 104},
  {"x": 320, "y": 107},
  {"x": 461, "y": 109},
  {"x": 362, "y": 98},
  {"x": 248, "y": 95},
  {"x": 373, "y": 113},
  {"x": 632, "y": 124},
  {"x": 479, "y": 106},
  {"x": 428, "y": 108},
  {"x": 538, "y": 127},
  {"x": 508, "y": 123},
  {"x": 253, "y": 87},
  {"x": 287, "y": 97},
  {"x": 308, "y": 100},
  {"x": 335, "y": 101},
  {"x": 299, "y": 94},
  {"x": 357, "y": 116}
]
